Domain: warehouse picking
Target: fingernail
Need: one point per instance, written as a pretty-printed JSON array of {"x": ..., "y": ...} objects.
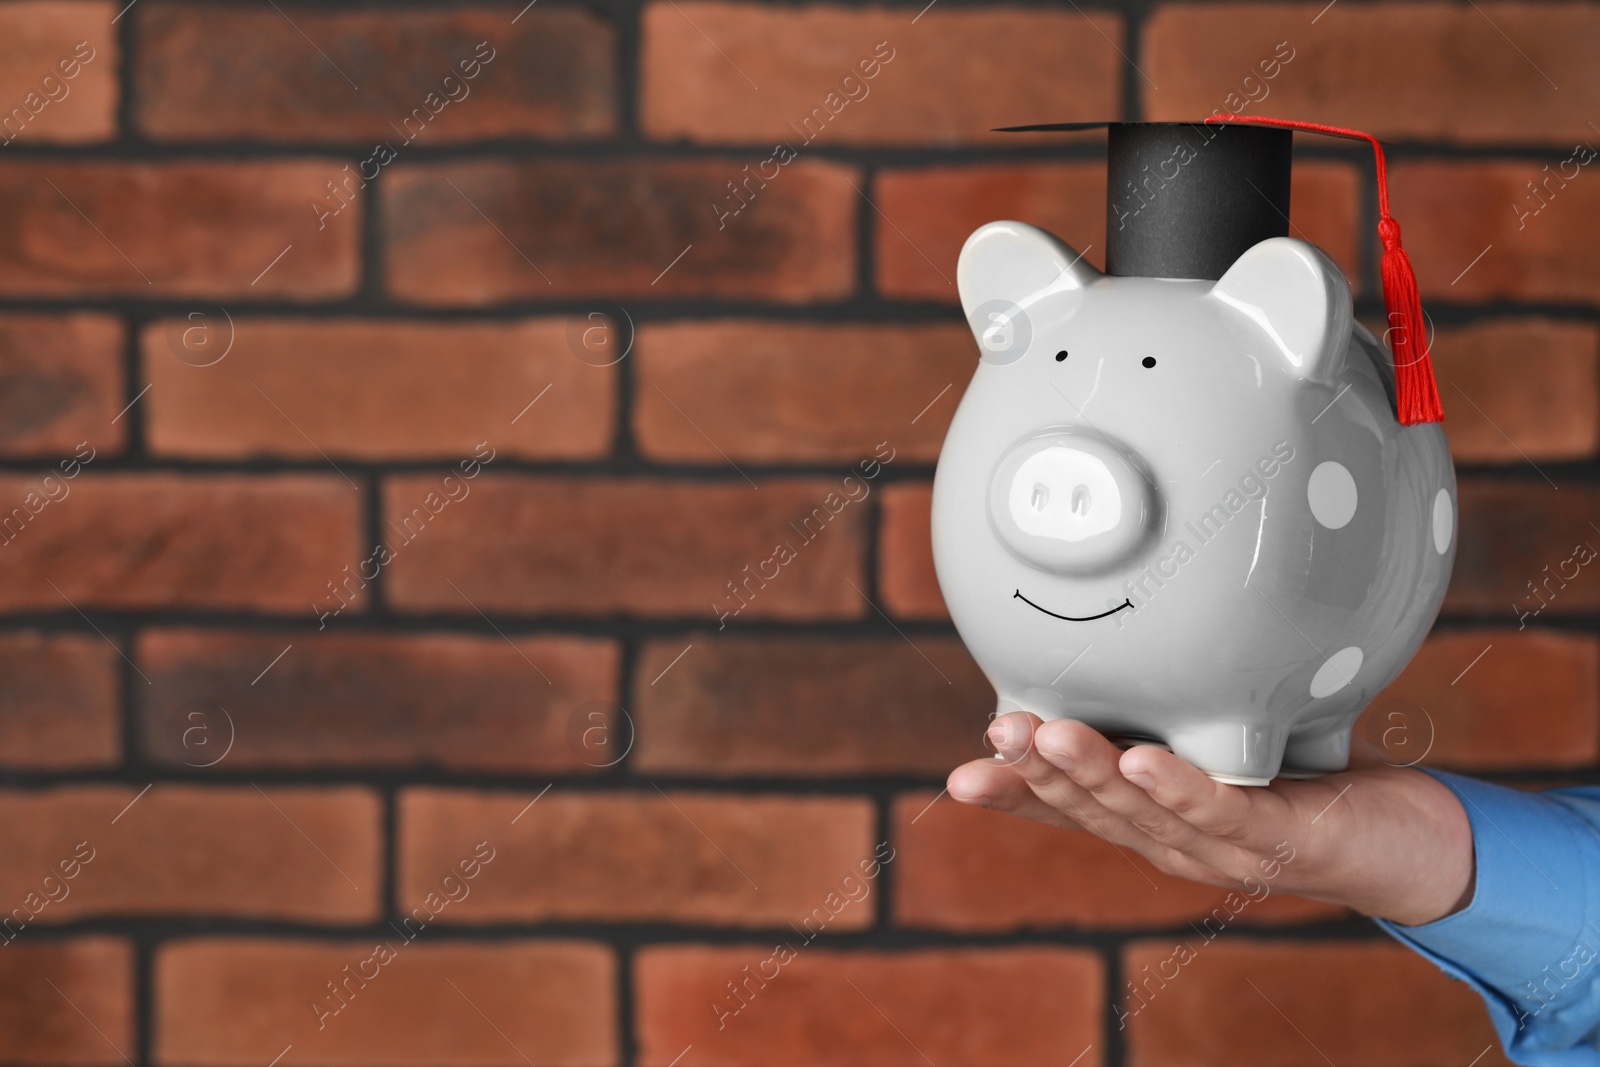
[
  {"x": 1142, "y": 779},
  {"x": 1000, "y": 733}
]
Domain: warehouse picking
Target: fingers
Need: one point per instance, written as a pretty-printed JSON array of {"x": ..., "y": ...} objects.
[
  {"x": 990, "y": 784},
  {"x": 1091, "y": 761},
  {"x": 1016, "y": 737},
  {"x": 1027, "y": 781},
  {"x": 1013, "y": 738},
  {"x": 1248, "y": 817}
]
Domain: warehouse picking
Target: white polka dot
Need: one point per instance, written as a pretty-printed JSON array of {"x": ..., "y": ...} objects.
[
  {"x": 1337, "y": 673},
  {"x": 1332, "y": 493},
  {"x": 1444, "y": 521}
]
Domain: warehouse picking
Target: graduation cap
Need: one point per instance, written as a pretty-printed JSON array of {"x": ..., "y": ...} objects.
[{"x": 1185, "y": 200}]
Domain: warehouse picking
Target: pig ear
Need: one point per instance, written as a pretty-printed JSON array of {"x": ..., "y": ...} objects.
[
  {"x": 1297, "y": 297},
  {"x": 1018, "y": 263}
]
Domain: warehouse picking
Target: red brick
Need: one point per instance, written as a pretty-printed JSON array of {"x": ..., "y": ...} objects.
[
  {"x": 1452, "y": 212},
  {"x": 232, "y": 1002},
  {"x": 153, "y": 541},
  {"x": 1519, "y": 389},
  {"x": 1532, "y": 700},
  {"x": 928, "y": 214},
  {"x": 1325, "y": 209},
  {"x": 978, "y": 1007},
  {"x": 905, "y": 554},
  {"x": 1357, "y": 1004},
  {"x": 1518, "y": 535},
  {"x": 949, "y": 79},
  {"x": 1421, "y": 71},
  {"x": 931, "y": 211},
  {"x": 86, "y": 1019},
  {"x": 549, "y": 74},
  {"x": 376, "y": 390},
  {"x": 59, "y": 83},
  {"x": 58, "y": 700},
  {"x": 963, "y": 868},
  {"x": 804, "y": 707},
  {"x": 61, "y": 383},
  {"x": 174, "y": 230},
  {"x": 615, "y": 546},
  {"x": 554, "y": 229},
  {"x": 285, "y": 853},
  {"x": 770, "y": 392},
  {"x": 713, "y": 859},
  {"x": 371, "y": 700}
]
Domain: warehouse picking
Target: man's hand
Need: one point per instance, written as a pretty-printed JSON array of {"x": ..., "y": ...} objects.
[{"x": 1387, "y": 841}]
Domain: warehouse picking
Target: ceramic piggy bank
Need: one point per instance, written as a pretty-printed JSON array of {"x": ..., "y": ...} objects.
[{"x": 1184, "y": 511}]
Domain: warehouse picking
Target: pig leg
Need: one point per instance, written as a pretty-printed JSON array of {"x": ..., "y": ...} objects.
[
  {"x": 1239, "y": 754},
  {"x": 1233, "y": 752},
  {"x": 1318, "y": 748}
]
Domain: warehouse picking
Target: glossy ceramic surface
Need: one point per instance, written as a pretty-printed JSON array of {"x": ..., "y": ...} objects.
[{"x": 1184, "y": 511}]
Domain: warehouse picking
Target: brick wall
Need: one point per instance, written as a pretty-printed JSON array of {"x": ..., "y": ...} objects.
[{"x": 272, "y": 795}]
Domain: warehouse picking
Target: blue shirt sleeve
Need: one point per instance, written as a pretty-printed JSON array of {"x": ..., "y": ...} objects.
[{"x": 1529, "y": 942}]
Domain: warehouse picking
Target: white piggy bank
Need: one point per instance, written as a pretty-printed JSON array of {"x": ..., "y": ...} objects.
[{"x": 1184, "y": 511}]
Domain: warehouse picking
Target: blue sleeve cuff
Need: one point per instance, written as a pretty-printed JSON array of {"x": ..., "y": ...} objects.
[{"x": 1529, "y": 941}]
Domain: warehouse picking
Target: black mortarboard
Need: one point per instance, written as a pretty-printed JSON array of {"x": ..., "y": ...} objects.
[{"x": 1185, "y": 200}]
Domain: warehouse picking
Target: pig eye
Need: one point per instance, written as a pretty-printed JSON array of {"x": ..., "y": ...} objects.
[
  {"x": 1148, "y": 361},
  {"x": 1061, "y": 356}
]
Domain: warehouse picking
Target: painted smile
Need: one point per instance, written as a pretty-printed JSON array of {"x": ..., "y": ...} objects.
[{"x": 1070, "y": 618}]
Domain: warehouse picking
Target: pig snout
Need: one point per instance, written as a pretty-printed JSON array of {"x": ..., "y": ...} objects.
[{"x": 1072, "y": 502}]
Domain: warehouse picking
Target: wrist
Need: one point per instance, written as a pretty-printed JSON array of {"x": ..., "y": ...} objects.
[
  {"x": 1435, "y": 866},
  {"x": 1396, "y": 846}
]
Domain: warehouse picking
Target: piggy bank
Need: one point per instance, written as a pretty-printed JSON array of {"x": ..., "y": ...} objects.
[{"x": 1184, "y": 511}]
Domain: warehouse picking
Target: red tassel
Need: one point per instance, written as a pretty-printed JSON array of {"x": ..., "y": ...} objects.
[{"x": 1416, "y": 391}]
